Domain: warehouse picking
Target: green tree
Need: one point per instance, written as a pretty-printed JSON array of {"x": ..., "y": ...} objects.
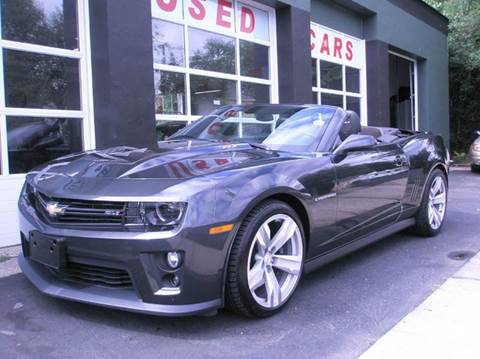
[{"x": 464, "y": 52}]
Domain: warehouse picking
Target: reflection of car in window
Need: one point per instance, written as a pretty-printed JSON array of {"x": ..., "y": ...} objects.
[{"x": 230, "y": 211}]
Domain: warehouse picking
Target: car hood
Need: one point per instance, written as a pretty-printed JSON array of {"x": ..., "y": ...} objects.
[{"x": 127, "y": 170}]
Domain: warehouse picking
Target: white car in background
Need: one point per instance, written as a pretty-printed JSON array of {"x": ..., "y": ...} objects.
[{"x": 475, "y": 154}]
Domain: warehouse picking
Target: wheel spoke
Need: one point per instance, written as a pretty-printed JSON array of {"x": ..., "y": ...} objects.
[
  {"x": 436, "y": 216},
  {"x": 289, "y": 264},
  {"x": 256, "y": 276},
  {"x": 273, "y": 289},
  {"x": 263, "y": 237},
  {"x": 437, "y": 184},
  {"x": 439, "y": 198},
  {"x": 282, "y": 236}
]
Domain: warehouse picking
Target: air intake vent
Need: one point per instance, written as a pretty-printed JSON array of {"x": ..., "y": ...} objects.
[{"x": 95, "y": 275}]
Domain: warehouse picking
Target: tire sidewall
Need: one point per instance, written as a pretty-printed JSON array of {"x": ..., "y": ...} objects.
[{"x": 267, "y": 211}]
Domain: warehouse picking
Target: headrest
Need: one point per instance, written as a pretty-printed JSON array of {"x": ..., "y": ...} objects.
[{"x": 351, "y": 125}]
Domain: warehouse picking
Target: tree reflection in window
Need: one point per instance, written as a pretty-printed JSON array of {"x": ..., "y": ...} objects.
[
  {"x": 210, "y": 51},
  {"x": 43, "y": 22}
]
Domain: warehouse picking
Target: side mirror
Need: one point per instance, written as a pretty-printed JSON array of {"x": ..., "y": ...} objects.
[{"x": 354, "y": 143}]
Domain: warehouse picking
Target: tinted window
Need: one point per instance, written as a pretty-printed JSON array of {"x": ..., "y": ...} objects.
[
  {"x": 168, "y": 128},
  {"x": 43, "y": 22},
  {"x": 168, "y": 43},
  {"x": 253, "y": 60},
  {"x": 34, "y": 141},
  {"x": 210, "y": 51},
  {"x": 41, "y": 81},
  {"x": 169, "y": 93}
]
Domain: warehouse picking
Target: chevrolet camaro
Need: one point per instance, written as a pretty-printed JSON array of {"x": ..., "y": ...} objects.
[{"x": 230, "y": 211}]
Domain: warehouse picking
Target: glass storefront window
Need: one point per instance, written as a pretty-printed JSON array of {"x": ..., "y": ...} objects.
[
  {"x": 42, "y": 51},
  {"x": 211, "y": 51},
  {"x": 314, "y": 73},
  {"x": 201, "y": 62},
  {"x": 255, "y": 93},
  {"x": 41, "y": 81},
  {"x": 34, "y": 141},
  {"x": 353, "y": 104},
  {"x": 254, "y": 60},
  {"x": 352, "y": 78},
  {"x": 331, "y": 76},
  {"x": 41, "y": 22},
  {"x": 332, "y": 100},
  {"x": 168, "y": 43},
  {"x": 169, "y": 93},
  {"x": 208, "y": 93}
]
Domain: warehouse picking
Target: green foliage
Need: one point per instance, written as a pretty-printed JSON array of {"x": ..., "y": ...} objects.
[{"x": 464, "y": 50}]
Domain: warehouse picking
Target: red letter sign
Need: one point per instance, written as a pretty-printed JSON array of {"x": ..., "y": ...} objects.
[
  {"x": 312, "y": 39},
  {"x": 224, "y": 10},
  {"x": 199, "y": 12},
  {"x": 167, "y": 5},
  {"x": 247, "y": 13},
  {"x": 325, "y": 49},
  {"x": 349, "y": 54},
  {"x": 337, "y": 52}
]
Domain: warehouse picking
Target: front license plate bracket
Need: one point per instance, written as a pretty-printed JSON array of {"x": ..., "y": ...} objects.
[{"x": 47, "y": 250}]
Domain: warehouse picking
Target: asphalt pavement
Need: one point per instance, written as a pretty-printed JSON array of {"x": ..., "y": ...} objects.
[{"x": 337, "y": 312}]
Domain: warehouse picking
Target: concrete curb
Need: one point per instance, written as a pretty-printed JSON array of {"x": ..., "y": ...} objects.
[{"x": 445, "y": 325}]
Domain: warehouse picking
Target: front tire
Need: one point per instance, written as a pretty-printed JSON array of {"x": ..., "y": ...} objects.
[
  {"x": 266, "y": 261},
  {"x": 475, "y": 168},
  {"x": 431, "y": 214}
]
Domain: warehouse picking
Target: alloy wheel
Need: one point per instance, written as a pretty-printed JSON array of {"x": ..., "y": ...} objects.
[
  {"x": 437, "y": 202},
  {"x": 275, "y": 261}
]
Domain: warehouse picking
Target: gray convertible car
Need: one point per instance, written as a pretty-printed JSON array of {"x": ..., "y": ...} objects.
[{"x": 229, "y": 212}]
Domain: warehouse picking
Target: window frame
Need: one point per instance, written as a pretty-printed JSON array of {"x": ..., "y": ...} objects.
[
  {"x": 237, "y": 36},
  {"x": 362, "y": 95},
  {"x": 82, "y": 55}
]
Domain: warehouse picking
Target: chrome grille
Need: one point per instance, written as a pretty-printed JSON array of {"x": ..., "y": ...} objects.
[
  {"x": 80, "y": 212},
  {"x": 95, "y": 275}
]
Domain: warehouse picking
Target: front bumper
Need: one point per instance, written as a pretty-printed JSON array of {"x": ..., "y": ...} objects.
[
  {"x": 116, "y": 299},
  {"x": 142, "y": 256}
]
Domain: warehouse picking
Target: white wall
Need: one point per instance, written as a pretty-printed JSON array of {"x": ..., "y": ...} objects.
[{"x": 9, "y": 191}]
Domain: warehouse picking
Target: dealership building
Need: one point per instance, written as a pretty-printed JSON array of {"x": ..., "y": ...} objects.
[{"x": 83, "y": 74}]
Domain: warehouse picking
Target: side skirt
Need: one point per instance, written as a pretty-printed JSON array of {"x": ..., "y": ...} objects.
[{"x": 361, "y": 242}]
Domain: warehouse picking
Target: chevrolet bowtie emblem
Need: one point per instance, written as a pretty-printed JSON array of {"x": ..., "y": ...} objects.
[{"x": 54, "y": 209}]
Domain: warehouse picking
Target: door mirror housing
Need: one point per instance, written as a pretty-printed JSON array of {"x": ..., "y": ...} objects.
[{"x": 354, "y": 143}]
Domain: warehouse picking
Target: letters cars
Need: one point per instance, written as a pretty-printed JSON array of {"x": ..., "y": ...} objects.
[{"x": 231, "y": 211}]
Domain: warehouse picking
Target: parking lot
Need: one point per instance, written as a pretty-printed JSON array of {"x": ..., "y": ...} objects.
[{"x": 338, "y": 312}]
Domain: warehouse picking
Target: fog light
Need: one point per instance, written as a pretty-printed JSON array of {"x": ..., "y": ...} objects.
[
  {"x": 175, "y": 281},
  {"x": 174, "y": 259}
]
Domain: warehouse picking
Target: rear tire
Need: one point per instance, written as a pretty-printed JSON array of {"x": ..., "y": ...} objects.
[
  {"x": 475, "y": 168},
  {"x": 431, "y": 214},
  {"x": 264, "y": 268}
]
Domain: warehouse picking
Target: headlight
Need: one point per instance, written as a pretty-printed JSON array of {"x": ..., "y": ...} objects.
[{"x": 163, "y": 216}]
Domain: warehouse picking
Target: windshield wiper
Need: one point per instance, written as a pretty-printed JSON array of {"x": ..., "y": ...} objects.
[{"x": 260, "y": 146}]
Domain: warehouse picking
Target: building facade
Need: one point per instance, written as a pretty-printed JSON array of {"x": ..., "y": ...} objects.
[{"x": 83, "y": 74}]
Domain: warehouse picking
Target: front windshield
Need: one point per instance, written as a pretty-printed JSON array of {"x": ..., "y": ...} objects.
[{"x": 282, "y": 127}]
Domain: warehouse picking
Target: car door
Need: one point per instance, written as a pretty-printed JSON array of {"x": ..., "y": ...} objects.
[{"x": 370, "y": 186}]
